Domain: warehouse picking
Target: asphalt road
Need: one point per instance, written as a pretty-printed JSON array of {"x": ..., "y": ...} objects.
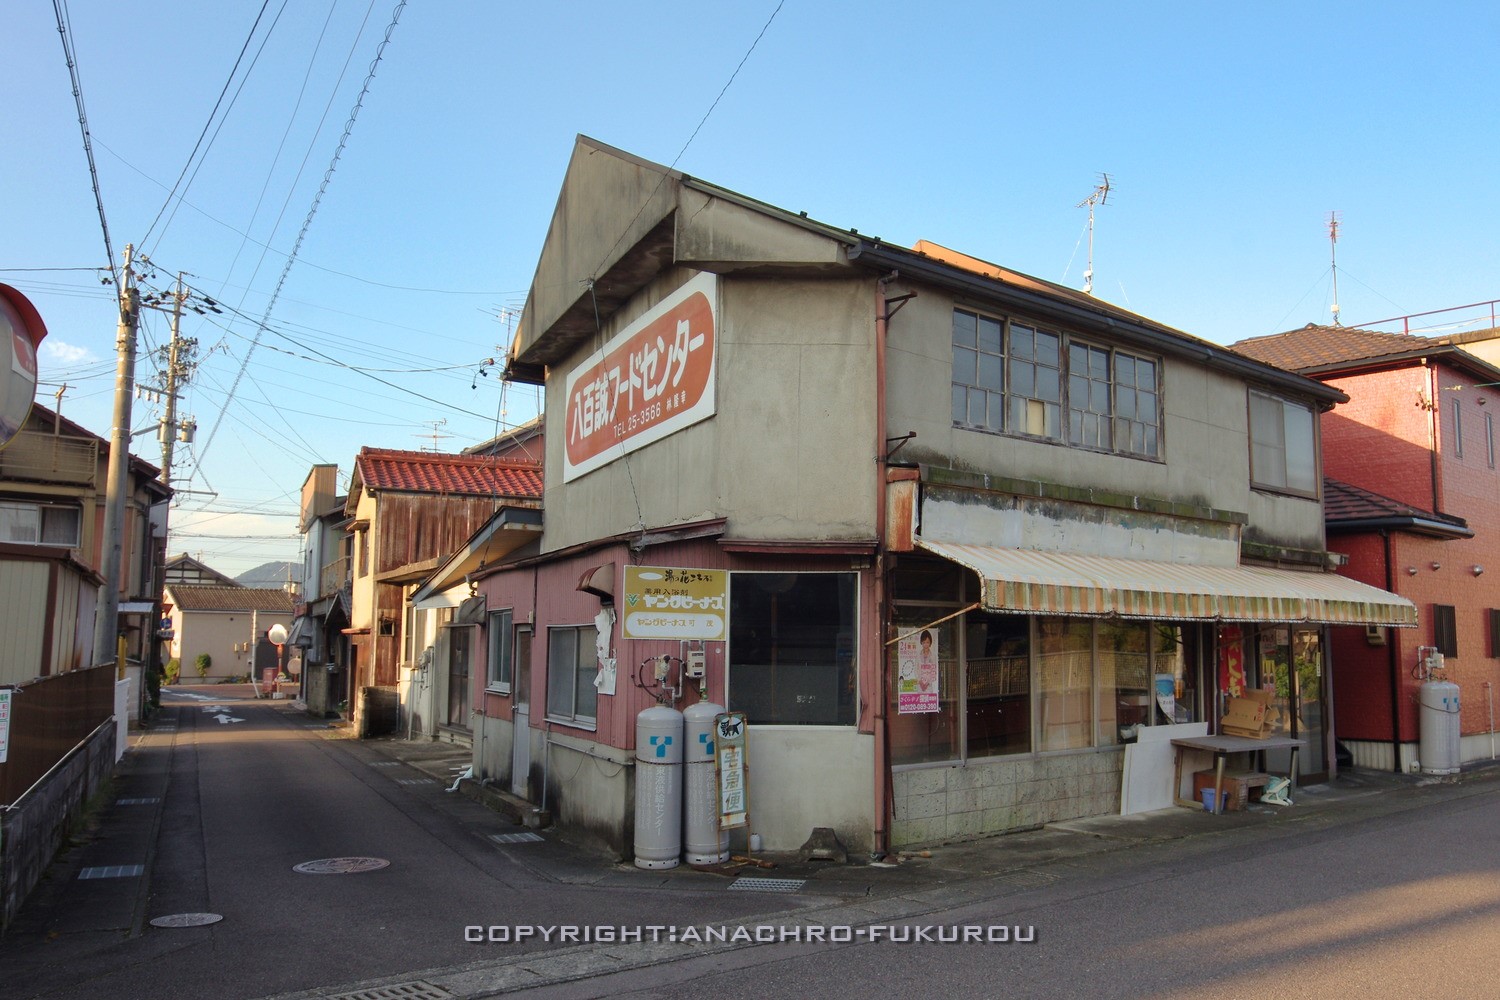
[{"x": 253, "y": 790}]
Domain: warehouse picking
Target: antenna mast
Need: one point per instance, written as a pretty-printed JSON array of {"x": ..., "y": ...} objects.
[
  {"x": 1099, "y": 196},
  {"x": 436, "y": 434},
  {"x": 1333, "y": 254}
]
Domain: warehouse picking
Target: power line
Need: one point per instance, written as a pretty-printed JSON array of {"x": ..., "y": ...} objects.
[
  {"x": 64, "y": 31},
  {"x": 311, "y": 213},
  {"x": 243, "y": 49}
]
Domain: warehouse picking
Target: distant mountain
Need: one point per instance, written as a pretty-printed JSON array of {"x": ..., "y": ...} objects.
[{"x": 272, "y": 574}]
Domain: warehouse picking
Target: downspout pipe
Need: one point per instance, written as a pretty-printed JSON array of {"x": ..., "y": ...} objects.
[
  {"x": 882, "y": 798},
  {"x": 1393, "y": 657}
]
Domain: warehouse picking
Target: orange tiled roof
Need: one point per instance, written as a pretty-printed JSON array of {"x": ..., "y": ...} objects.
[
  {"x": 433, "y": 472},
  {"x": 1315, "y": 346}
]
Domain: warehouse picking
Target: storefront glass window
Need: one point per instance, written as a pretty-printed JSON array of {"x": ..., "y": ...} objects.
[
  {"x": 1065, "y": 683},
  {"x": 923, "y": 737},
  {"x": 792, "y": 647},
  {"x": 997, "y": 653},
  {"x": 1124, "y": 680}
]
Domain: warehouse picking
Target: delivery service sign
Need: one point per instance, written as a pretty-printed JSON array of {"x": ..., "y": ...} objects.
[{"x": 654, "y": 378}]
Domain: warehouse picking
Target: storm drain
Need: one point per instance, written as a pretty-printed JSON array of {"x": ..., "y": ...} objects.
[
  {"x": 516, "y": 838},
  {"x": 112, "y": 871},
  {"x": 136, "y": 802},
  {"x": 747, "y": 884},
  {"x": 385, "y": 763},
  {"x": 416, "y": 781},
  {"x": 340, "y": 866},
  {"x": 187, "y": 920},
  {"x": 1027, "y": 879},
  {"x": 416, "y": 990}
]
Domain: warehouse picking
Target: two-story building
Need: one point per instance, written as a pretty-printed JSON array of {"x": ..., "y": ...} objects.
[
  {"x": 948, "y": 535},
  {"x": 323, "y": 613},
  {"x": 1415, "y": 505}
]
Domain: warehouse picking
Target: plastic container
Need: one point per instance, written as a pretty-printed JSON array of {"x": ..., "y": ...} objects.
[{"x": 1208, "y": 800}]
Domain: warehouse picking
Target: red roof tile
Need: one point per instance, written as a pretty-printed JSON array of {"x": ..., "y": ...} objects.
[
  {"x": 1316, "y": 346},
  {"x": 461, "y": 475}
]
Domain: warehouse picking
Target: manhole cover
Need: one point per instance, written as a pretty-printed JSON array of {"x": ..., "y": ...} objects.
[
  {"x": 768, "y": 884},
  {"x": 340, "y": 866},
  {"x": 187, "y": 920}
]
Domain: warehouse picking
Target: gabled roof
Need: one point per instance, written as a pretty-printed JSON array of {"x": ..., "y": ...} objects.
[
  {"x": 1329, "y": 350},
  {"x": 449, "y": 475},
  {"x": 187, "y": 597},
  {"x": 1350, "y": 508},
  {"x": 184, "y": 565},
  {"x": 1314, "y": 346}
]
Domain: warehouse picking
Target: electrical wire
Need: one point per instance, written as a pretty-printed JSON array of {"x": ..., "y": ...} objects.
[
  {"x": 235, "y": 69},
  {"x": 312, "y": 212},
  {"x": 65, "y": 32}
]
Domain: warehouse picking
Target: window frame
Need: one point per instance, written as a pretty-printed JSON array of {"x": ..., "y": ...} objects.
[
  {"x": 854, "y": 610},
  {"x": 1489, "y": 438},
  {"x": 572, "y": 717},
  {"x": 1445, "y": 630},
  {"x": 1458, "y": 429},
  {"x": 1008, "y": 395},
  {"x": 1285, "y": 406},
  {"x": 41, "y": 510},
  {"x": 499, "y": 624}
]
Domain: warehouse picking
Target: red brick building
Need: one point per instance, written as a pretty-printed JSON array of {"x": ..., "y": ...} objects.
[{"x": 1413, "y": 500}]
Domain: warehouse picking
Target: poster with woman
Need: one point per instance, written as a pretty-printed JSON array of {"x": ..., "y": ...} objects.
[{"x": 917, "y": 680}]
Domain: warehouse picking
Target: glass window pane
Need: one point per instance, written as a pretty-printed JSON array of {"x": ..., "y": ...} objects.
[
  {"x": 1047, "y": 384},
  {"x": 977, "y": 402},
  {"x": 792, "y": 647},
  {"x": 1048, "y": 348},
  {"x": 562, "y": 646},
  {"x": 584, "y": 692},
  {"x": 1065, "y": 683},
  {"x": 1125, "y": 405},
  {"x": 991, "y": 372},
  {"x": 963, "y": 328},
  {"x": 1021, "y": 341},
  {"x": 996, "y": 421},
  {"x": 919, "y": 737},
  {"x": 989, "y": 335},
  {"x": 1124, "y": 369},
  {"x": 960, "y": 404},
  {"x": 1124, "y": 680},
  {"x": 964, "y": 365},
  {"x": 997, "y": 651},
  {"x": 1022, "y": 378}
]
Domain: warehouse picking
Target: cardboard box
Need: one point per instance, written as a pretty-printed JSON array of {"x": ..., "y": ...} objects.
[
  {"x": 1238, "y": 786},
  {"x": 1247, "y": 716}
]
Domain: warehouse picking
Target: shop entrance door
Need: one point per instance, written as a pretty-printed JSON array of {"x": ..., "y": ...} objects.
[
  {"x": 1291, "y": 664},
  {"x": 520, "y": 752}
]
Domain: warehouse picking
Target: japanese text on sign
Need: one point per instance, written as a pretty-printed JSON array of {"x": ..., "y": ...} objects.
[
  {"x": 653, "y": 379},
  {"x": 669, "y": 603},
  {"x": 729, "y": 761}
]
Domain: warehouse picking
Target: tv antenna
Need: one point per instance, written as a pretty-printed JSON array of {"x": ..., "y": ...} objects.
[
  {"x": 1099, "y": 196},
  {"x": 1333, "y": 254},
  {"x": 436, "y": 433}
]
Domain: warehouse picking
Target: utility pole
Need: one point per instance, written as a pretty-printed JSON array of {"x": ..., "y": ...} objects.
[
  {"x": 179, "y": 365},
  {"x": 107, "y": 615}
]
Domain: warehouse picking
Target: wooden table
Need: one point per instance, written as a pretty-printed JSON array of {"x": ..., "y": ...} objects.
[{"x": 1222, "y": 746}]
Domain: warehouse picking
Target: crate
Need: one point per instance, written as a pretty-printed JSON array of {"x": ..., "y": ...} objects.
[{"x": 1237, "y": 786}]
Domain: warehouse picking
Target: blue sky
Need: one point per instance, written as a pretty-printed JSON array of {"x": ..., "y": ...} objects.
[{"x": 1229, "y": 133}]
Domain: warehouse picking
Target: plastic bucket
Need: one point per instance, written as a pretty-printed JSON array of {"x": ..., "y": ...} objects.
[{"x": 1208, "y": 799}]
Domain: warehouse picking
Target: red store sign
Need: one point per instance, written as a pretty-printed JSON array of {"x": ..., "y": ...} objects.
[{"x": 655, "y": 378}]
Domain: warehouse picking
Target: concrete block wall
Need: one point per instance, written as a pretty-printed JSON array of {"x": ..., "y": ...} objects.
[{"x": 940, "y": 804}]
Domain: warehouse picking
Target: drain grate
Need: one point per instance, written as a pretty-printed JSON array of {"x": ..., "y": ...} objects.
[
  {"x": 385, "y": 763},
  {"x": 137, "y": 802},
  {"x": 516, "y": 838},
  {"x": 112, "y": 871},
  {"x": 187, "y": 920},
  {"x": 415, "y": 781},
  {"x": 747, "y": 884},
  {"x": 340, "y": 866},
  {"x": 415, "y": 990}
]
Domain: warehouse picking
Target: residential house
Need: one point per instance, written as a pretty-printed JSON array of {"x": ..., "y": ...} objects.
[
  {"x": 183, "y": 568},
  {"x": 322, "y": 614},
  {"x": 1416, "y": 509},
  {"x": 408, "y": 511},
  {"x": 223, "y": 623},
  {"x": 522, "y": 443},
  {"x": 949, "y": 536}
]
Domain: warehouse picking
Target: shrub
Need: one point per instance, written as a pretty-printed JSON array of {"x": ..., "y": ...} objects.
[
  {"x": 174, "y": 670},
  {"x": 203, "y": 661}
]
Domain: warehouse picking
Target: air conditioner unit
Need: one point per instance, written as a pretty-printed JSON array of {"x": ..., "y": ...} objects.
[{"x": 1375, "y": 635}]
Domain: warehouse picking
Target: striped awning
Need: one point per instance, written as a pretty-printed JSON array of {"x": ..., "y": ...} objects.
[{"x": 1051, "y": 583}]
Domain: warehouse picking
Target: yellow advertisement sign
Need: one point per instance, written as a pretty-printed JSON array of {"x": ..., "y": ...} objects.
[{"x": 670, "y": 603}]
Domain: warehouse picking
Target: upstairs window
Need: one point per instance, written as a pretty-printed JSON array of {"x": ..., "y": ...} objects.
[
  {"x": 1283, "y": 449},
  {"x": 1445, "y": 629},
  {"x": 1489, "y": 437},
  {"x": 1015, "y": 377},
  {"x": 40, "y": 524},
  {"x": 1458, "y": 429}
]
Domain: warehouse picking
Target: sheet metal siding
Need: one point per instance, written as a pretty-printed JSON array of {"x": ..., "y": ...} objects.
[
  {"x": 1025, "y": 582},
  {"x": 23, "y": 607}
]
